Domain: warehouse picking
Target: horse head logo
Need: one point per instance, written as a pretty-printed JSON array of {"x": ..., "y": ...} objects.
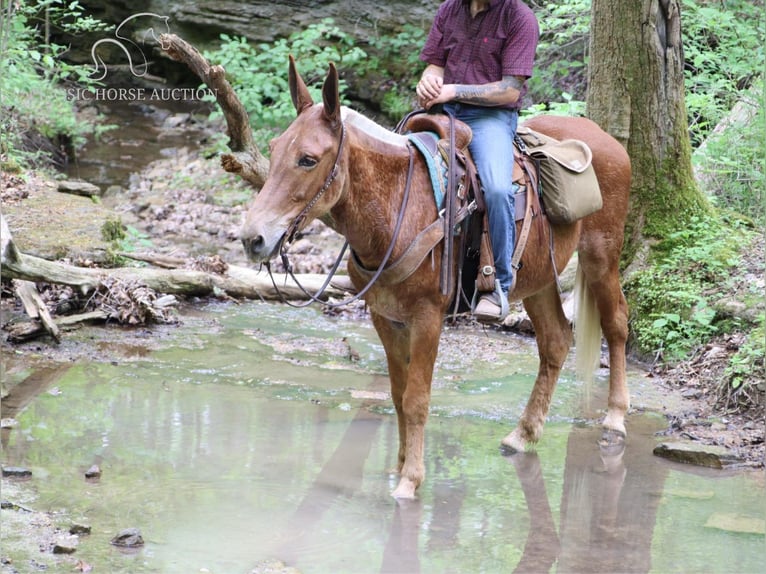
[{"x": 138, "y": 69}]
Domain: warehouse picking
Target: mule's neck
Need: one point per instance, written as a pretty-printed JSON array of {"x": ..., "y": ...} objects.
[{"x": 374, "y": 182}]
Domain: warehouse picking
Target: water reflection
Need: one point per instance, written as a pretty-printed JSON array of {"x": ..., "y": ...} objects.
[{"x": 222, "y": 471}]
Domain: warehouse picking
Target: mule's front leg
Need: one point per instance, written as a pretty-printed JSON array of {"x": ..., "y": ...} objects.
[{"x": 411, "y": 353}]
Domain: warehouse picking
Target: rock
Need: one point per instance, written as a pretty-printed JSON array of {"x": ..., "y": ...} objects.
[
  {"x": 733, "y": 522},
  {"x": 128, "y": 538},
  {"x": 696, "y": 453},
  {"x": 176, "y": 120},
  {"x": 18, "y": 472},
  {"x": 79, "y": 529},
  {"x": 93, "y": 473},
  {"x": 266, "y": 21},
  {"x": 730, "y": 308},
  {"x": 65, "y": 544},
  {"x": 72, "y": 223},
  {"x": 273, "y": 566},
  {"x": 79, "y": 188}
]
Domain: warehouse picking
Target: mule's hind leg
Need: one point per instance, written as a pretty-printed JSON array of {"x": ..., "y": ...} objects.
[
  {"x": 411, "y": 353},
  {"x": 604, "y": 284},
  {"x": 554, "y": 338}
]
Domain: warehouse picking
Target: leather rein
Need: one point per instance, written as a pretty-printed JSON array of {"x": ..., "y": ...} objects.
[{"x": 294, "y": 227}]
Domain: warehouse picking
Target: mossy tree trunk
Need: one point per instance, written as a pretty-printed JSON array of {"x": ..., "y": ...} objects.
[{"x": 636, "y": 93}]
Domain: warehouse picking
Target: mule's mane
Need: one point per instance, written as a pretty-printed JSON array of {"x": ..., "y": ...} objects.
[{"x": 372, "y": 129}]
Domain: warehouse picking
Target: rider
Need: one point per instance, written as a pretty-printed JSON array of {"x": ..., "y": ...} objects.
[{"x": 480, "y": 54}]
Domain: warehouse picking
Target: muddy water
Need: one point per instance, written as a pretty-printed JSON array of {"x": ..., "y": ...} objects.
[
  {"x": 253, "y": 432},
  {"x": 144, "y": 132}
]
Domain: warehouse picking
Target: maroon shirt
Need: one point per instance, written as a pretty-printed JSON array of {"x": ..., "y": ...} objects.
[{"x": 501, "y": 41}]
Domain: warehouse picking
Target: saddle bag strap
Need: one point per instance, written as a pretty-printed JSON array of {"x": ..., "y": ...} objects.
[
  {"x": 526, "y": 227},
  {"x": 485, "y": 280}
]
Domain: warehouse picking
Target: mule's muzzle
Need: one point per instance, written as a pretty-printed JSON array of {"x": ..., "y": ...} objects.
[{"x": 258, "y": 250}]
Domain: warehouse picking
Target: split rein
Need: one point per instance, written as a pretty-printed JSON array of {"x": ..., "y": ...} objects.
[{"x": 294, "y": 227}]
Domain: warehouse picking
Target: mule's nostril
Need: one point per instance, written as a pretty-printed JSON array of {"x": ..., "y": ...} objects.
[{"x": 253, "y": 245}]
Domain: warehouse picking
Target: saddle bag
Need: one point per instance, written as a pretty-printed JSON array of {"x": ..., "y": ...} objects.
[{"x": 570, "y": 189}]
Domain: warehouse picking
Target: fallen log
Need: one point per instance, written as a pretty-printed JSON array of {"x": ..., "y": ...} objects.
[{"x": 238, "y": 282}]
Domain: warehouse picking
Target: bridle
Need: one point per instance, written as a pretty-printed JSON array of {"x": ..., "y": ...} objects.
[{"x": 293, "y": 228}]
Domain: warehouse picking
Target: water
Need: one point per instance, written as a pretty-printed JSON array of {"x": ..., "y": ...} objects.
[
  {"x": 248, "y": 434},
  {"x": 144, "y": 133}
]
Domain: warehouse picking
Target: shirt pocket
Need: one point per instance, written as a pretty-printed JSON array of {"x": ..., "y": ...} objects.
[{"x": 490, "y": 58}]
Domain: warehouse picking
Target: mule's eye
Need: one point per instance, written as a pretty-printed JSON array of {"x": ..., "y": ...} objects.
[{"x": 307, "y": 161}]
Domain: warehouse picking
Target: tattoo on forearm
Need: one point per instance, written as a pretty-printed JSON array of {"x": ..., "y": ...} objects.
[{"x": 488, "y": 94}]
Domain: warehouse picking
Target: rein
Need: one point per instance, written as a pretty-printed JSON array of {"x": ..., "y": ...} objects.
[{"x": 294, "y": 226}]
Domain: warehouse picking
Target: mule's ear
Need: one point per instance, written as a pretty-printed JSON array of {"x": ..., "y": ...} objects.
[
  {"x": 331, "y": 97},
  {"x": 298, "y": 90}
]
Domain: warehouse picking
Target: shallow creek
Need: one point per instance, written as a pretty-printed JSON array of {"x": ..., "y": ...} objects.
[{"x": 253, "y": 432}]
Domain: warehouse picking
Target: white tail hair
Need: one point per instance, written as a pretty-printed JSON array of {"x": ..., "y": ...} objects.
[{"x": 587, "y": 327}]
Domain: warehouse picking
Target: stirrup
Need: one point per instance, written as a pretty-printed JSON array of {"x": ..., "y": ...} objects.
[{"x": 504, "y": 309}]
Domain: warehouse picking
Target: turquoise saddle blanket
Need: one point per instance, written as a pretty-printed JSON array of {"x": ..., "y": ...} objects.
[{"x": 425, "y": 142}]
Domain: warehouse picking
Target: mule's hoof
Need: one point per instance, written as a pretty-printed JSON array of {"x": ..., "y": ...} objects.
[
  {"x": 513, "y": 443},
  {"x": 405, "y": 490},
  {"x": 612, "y": 439}
]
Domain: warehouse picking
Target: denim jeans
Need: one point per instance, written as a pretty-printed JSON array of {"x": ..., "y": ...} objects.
[{"x": 492, "y": 151}]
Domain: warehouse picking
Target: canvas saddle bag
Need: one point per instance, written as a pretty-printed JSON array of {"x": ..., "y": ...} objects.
[{"x": 568, "y": 181}]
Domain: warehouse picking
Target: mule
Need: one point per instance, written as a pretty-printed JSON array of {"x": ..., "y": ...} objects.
[{"x": 336, "y": 165}]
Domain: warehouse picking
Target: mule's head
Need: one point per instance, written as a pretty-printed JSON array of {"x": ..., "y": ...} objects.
[{"x": 305, "y": 179}]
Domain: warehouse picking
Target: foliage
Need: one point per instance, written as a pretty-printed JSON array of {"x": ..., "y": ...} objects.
[
  {"x": 673, "y": 300},
  {"x": 733, "y": 160},
  {"x": 396, "y": 56},
  {"x": 746, "y": 369},
  {"x": 723, "y": 54},
  {"x": 257, "y": 73},
  {"x": 561, "y": 64},
  {"x": 32, "y": 71}
]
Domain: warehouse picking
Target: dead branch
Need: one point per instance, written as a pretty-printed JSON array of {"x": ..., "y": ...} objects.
[
  {"x": 19, "y": 332},
  {"x": 245, "y": 160},
  {"x": 35, "y": 307}
]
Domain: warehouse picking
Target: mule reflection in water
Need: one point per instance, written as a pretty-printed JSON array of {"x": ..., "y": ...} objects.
[{"x": 336, "y": 165}]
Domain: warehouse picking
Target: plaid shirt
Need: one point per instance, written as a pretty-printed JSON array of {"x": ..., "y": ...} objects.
[{"x": 501, "y": 41}]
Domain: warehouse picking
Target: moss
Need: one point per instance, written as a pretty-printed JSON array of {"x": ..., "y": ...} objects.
[{"x": 113, "y": 230}]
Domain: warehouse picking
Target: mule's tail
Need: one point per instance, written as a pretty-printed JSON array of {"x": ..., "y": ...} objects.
[{"x": 587, "y": 328}]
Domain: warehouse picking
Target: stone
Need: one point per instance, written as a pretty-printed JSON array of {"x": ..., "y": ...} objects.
[
  {"x": 733, "y": 522},
  {"x": 82, "y": 188},
  {"x": 273, "y": 566},
  {"x": 128, "y": 538},
  {"x": 93, "y": 473},
  {"x": 79, "y": 529},
  {"x": 65, "y": 544},
  {"x": 698, "y": 454},
  {"x": 16, "y": 472}
]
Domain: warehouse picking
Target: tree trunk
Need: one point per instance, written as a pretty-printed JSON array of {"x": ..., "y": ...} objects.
[{"x": 636, "y": 93}]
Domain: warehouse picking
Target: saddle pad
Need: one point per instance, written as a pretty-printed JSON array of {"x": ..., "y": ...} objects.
[{"x": 425, "y": 142}]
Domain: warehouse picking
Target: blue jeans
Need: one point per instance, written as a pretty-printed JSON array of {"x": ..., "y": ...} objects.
[{"x": 492, "y": 151}]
